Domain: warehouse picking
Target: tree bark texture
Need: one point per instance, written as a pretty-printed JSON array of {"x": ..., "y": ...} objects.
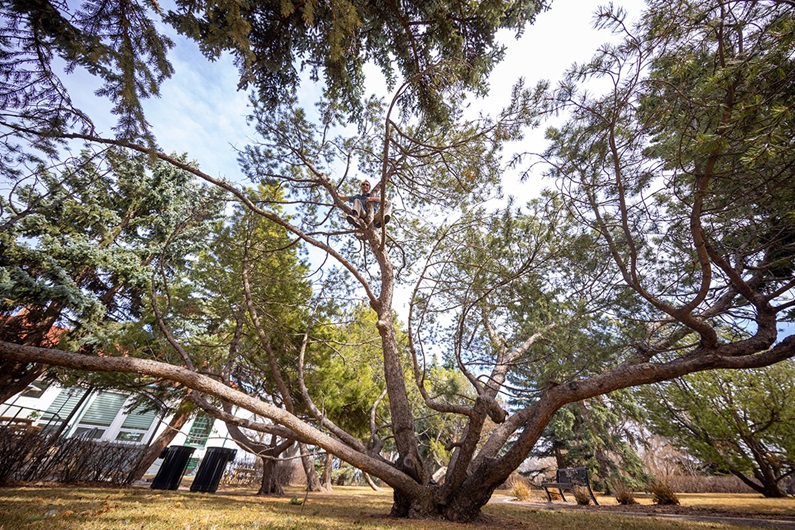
[
  {"x": 487, "y": 470},
  {"x": 271, "y": 483},
  {"x": 180, "y": 418},
  {"x": 308, "y": 463},
  {"x": 371, "y": 482},
  {"x": 325, "y": 478},
  {"x": 769, "y": 489}
]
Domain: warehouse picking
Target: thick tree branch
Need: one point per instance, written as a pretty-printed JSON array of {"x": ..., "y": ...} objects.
[{"x": 202, "y": 383}]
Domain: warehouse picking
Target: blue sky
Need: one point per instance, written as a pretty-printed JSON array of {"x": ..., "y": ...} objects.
[{"x": 201, "y": 112}]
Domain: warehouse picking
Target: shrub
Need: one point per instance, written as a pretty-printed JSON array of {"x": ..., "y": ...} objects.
[
  {"x": 520, "y": 488},
  {"x": 30, "y": 455},
  {"x": 623, "y": 494},
  {"x": 18, "y": 448},
  {"x": 581, "y": 495},
  {"x": 707, "y": 484},
  {"x": 662, "y": 493},
  {"x": 80, "y": 459}
]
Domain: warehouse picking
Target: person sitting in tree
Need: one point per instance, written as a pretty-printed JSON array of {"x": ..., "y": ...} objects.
[{"x": 360, "y": 205}]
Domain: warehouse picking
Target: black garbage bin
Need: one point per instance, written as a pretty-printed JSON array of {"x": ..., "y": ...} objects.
[
  {"x": 212, "y": 469},
  {"x": 170, "y": 473}
]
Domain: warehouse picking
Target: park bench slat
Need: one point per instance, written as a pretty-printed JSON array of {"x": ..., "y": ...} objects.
[{"x": 567, "y": 478}]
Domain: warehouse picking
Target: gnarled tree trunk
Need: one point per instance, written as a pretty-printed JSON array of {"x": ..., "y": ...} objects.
[
  {"x": 325, "y": 478},
  {"x": 308, "y": 463},
  {"x": 485, "y": 471},
  {"x": 180, "y": 418},
  {"x": 271, "y": 482},
  {"x": 768, "y": 488}
]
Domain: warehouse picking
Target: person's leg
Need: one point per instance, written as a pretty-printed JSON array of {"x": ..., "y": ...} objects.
[
  {"x": 358, "y": 211},
  {"x": 377, "y": 214},
  {"x": 383, "y": 214},
  {"x": 387, "y": 215},
  {"x": 359, "y": 208}
]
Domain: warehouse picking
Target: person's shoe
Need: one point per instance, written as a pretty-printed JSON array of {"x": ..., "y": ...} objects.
[
  {"x": 387, "y": 218},
  {"x": 377, "y": 224},
  {"x": 352, "y": 220}
]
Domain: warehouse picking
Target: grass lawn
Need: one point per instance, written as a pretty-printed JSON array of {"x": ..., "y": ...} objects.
[
  {"x": 79, "y": 508},
  {"x": 741, "y": 503}
]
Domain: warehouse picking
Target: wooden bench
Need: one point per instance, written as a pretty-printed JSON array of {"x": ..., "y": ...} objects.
[{"x": 568, "y": 478}]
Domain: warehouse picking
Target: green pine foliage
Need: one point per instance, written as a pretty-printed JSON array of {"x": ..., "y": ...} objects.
[
  {"x": 601, "y": 434},
  {"x": 738, "y": 422},
  {"x": 119, "y": 43},
  {"x": 344, "y": 374},
  {"x": 79, "y": 244},
  {"x": 441, "y": 47}
]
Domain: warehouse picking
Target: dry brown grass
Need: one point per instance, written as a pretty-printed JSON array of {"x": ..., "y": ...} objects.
[
  {"x": 581, "y": 495},
  {"x": 520, "y": 488},
  {"x": 624, "y": 496},
  {"x": 739, "y": 502},
  {"x": 65, "y": 508},
  {"x": 733, "y": 502},
  {"x": 662, "y": 493}
]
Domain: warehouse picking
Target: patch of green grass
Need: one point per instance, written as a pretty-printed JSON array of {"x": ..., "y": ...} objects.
[{"x": 85, "y": 508}]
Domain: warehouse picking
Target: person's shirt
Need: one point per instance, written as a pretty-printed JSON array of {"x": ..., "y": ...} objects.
[{"x": 361, "y": 196}]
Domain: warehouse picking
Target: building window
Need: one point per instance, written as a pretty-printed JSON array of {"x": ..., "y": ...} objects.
[
  {"x": 36, "y": 389},
  {"x": 139, "y": 419},
  {"x": 93, "y": 433},
  {"x": 129, "y": 436},
  {"x": 104, "y": 409},
  {"x": 62, "y": 407},
  {"x": 200, "y": 431},
  {"x": 136, "y": 425},
  {"x": 193, "y": 463}
]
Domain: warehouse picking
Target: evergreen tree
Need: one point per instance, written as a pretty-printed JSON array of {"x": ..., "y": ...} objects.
[
  {"x": 78, "y": 250},
  {"x": 733, "y": 422},
  {"x": 663, "y": 234},
  {"x": 600, "y": 433}
]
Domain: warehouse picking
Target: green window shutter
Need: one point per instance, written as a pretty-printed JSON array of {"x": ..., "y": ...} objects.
[
  {"x": 64, "y": 404},
  {"x": 139, "y": 418},
  {"x": 104, "y": 409},
  {"x": 200, "y": 430}
]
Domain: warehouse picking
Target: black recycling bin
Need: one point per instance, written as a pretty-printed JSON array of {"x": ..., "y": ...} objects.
[
  {"x": 212, "y": 469},
  {"x": 170, "y": 473}
]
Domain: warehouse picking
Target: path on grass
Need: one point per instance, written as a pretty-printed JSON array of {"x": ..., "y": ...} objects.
[{"x": 777, "y": 523}]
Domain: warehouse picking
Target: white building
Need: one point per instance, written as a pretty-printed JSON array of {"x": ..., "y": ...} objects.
[{"x": 110, "y": 416}]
